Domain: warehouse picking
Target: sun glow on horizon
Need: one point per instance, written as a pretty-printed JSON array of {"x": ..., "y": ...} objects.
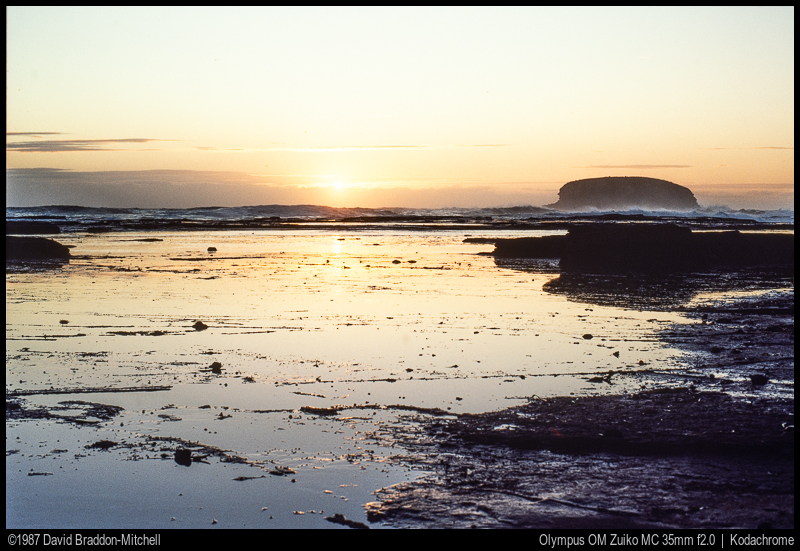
[{"x": 485, "y": 104}]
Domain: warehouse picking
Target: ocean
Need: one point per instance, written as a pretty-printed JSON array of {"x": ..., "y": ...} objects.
[
  {"x": 295, "y": 350},
  {"x": 76, "y": 218}
]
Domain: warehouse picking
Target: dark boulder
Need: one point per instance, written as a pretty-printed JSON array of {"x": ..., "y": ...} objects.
[
  {"x": 21, "y": 227},
  {"x": 624, "y": 192},
  {"x": 102, "y": 445},
  {"x": 663, "y": 249},
  {"x": 35, "y": 248},
  {"x": 549, "y": 246},
  {"x": 183, "y": 457},
  {"x": 339, "y": 518},
  {"x": 609, "y": 248},
  {"x": 620, "y": 248},
  {"x": 738, "y": 250}
]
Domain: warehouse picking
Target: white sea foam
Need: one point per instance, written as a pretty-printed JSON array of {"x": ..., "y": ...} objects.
[{"x": 321, "y": 212}]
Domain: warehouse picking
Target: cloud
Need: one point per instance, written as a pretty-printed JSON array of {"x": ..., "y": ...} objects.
[
  {"x": 195, "y": 188},
  {"x": 485, "y": 145},
  {"x": 351, "y": 148},
  {"x": 376, "y": 147},
  {"x": 189, "y": 188},
  {"x": 134, "y": 188},
  {"x": 637, "y": 167},
  {"x": 747, "y": 196},
  {"x": 318, "y": 149},
  {"x": 245, "y": 149},
  {"x": 31, "y": 133},
  {"x": 748, "y": 148},
  {"x": 60, "y": 146}
]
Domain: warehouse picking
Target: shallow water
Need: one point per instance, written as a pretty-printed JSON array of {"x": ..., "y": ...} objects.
[{"x": 356, "y": 319}]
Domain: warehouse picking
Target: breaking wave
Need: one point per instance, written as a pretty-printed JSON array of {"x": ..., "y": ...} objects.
[{"x": 522, "y": 213}]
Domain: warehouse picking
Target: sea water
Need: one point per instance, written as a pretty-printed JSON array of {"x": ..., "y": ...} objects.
[{"x": 378, "y": 323}]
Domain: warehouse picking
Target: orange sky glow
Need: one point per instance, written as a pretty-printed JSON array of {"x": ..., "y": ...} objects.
[{"x": 382, "y": 107}]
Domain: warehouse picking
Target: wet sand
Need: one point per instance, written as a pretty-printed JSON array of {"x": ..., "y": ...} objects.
[{"x": 338, "y": 354}]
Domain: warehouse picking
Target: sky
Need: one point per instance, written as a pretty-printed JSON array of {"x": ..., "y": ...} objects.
[{"x": 389, "y": 107}]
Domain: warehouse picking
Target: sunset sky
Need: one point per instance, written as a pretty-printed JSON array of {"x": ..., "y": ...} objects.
[{"x": 383, "y": 107}]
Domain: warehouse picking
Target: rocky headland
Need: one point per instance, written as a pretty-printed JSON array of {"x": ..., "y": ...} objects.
[{"x": 624, "y": 192}]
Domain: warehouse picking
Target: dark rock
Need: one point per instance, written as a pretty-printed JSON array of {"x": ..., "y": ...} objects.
[
  {"x": 738, "y": 250},
  {"x": 612, "y": 433},
  {"x": 320, "y": 410},
  {"x": 618, "y": 248},
  {"x": 339, "y": 518},
  {"x": 758, "y": 379},
  {"x": 35, "y": 248},
  {"x": 183, "y": 457},
  {"x": 216, "y": 367},
  {"x": 212, "y": 249},
  {"x": 588, "y": 336},
  {"x": 599, "y": 379},
  {"x": 102, "y": 445},
  {"x": 282, "y": 471},
  {"x": 551, "y": 246},
  {"x": 200, "y": 326},
  {"x": 620, "y": 192},
  {"x": 607, "y": 248},
  {"x": 30, "y": 228},
  {"x": 481, "y": 240}
]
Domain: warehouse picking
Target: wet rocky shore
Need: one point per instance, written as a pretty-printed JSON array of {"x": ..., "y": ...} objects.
[
  {"x": 703, "y": 440},
  {"x": 710, "y": 446}
]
